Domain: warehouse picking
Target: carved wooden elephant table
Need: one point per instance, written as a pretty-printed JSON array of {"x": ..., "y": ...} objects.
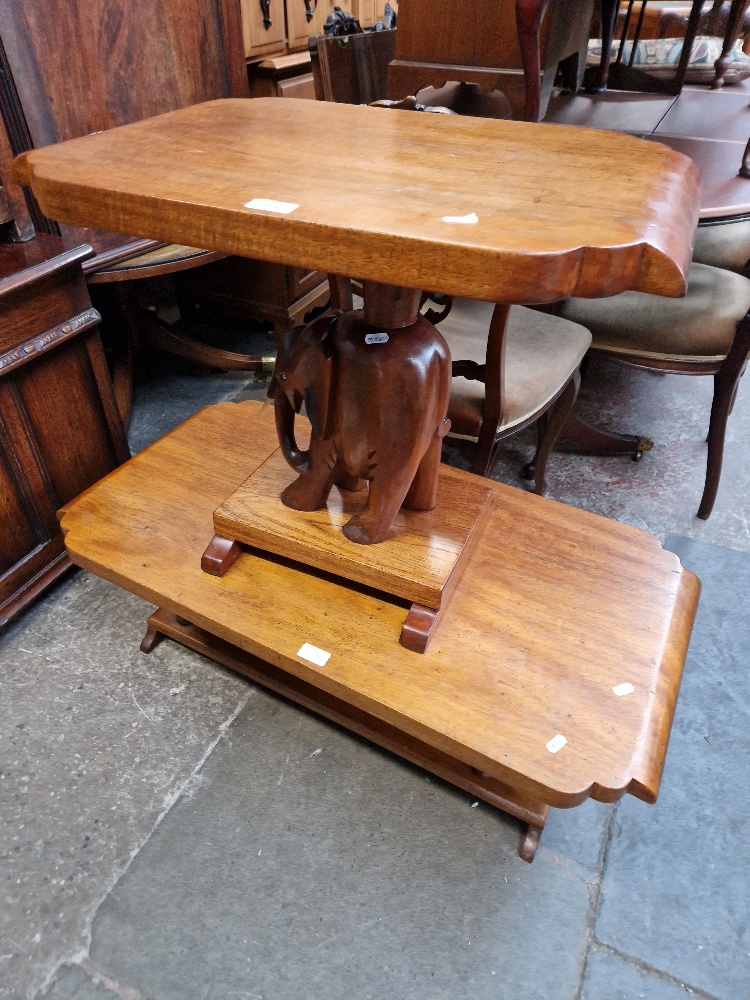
[
  {"x": 381, "y": 205},
  {"x": 506, "y": 212}
]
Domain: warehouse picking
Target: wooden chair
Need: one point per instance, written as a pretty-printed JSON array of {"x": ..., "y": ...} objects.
[
  {"x": 513, "y": 45},
  {"x": 57, "y": 86},
  {"x": 724, "y": 244},
  {"x": 353, "y": 69},
  {"x": 705, "y": 333},
  {"x": 625, "y": 75},
  {"x": 525, "y": 371}
]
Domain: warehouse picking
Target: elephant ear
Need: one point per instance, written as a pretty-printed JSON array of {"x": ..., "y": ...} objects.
[{"x": 320, "y": 398}]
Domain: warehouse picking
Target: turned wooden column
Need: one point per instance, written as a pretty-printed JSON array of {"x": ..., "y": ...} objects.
[{"x": 731, "y": 34}]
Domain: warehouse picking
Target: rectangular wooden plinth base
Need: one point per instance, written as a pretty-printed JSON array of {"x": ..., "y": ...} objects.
[
  {"x": 532, "y": 813},
  {"x": 420, "y": 560}
]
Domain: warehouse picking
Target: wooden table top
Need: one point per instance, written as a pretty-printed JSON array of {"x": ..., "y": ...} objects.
[
  {"x": 709, "y": 126},
  {"x": 560, "y": 211},
  {"x": 556, "y": 608},
  {"x": 724, "y": 193}
]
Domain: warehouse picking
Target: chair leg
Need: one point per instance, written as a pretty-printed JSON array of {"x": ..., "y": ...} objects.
[
  {"x": 548, "y": 433},
  {"x": 725, "y": 387},
  {"x": 486, "y": 448},
  {"x": 120, "y": 313}
]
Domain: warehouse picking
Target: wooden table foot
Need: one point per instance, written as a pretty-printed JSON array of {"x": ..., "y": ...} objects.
[
  {"x": 485, "y": 787},
  {"x": 418, "y": 627},
  {"x": 151, "y": 639},
  {"x": 529, "y": 843},
  {"x": 220, "y": 554}
]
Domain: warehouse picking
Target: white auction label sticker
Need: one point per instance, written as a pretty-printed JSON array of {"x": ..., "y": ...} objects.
[
  {"x": 376, "y": 338},
  {"x": 269, "y": 205},
  {"x": 313, "y": 654},
  {"x": 622, "y": 689},
  {"x": 556, "y": 743},
  {"x": 462, "y": 220}
]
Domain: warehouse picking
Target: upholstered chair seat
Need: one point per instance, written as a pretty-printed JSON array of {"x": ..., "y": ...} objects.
[
  {"x": 699, "y": 327},
  {"x": 533, "y": 374},
  {"x": 726, "y": 245},
  {"x": 705, "y": 333}
]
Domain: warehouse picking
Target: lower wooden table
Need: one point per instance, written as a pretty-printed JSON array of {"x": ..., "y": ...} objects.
[{"x": 551, "y": 678}]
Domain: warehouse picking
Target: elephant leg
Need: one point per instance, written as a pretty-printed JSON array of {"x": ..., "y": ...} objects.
[
  {"x": 345, "y": 481},
  {"x": 422, "y": 494},
  {"x": 311, "y": 489},
  {"x": 387, "y": 493}
]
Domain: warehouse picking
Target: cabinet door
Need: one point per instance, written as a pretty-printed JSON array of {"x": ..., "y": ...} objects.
[
  {"x": 367, "y": 12},
  {"x": 20, "y": 535},
  {"x": 299, "y": 26},
  {"x": 259, "y": 39}
]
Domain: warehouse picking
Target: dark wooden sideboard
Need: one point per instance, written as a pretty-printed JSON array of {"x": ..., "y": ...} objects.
[{"x": 59, "y": 427}]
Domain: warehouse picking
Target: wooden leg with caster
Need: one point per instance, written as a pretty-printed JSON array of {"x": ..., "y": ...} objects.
[{"x": 594, "y": 441}]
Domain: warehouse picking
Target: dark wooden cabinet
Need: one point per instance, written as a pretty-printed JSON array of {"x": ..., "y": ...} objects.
[
  {"x": 59, "y": 427},
  {"x": 253, "y": 289}
]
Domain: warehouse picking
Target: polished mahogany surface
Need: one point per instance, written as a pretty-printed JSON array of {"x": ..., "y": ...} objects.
[
  {"x": 548, "y": 225},
  {"x": 533, "y": 642}
]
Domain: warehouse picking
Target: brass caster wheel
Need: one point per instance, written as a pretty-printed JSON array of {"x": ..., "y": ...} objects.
[{"x": 644, "y": 444}]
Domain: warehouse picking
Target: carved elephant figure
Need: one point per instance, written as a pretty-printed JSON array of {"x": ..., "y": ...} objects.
[{"x": 377, "y": 402}]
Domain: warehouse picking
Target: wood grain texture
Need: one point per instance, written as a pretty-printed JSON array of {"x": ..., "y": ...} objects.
[
  {"x": 415, "y": 561},
  {"x": 556, "y": 608},
  {"x": 512, "y": 45},
  {"x": 187, "y": 176},
  {"x": 163, "y": 624},
  {"x": 80, "y": 66},
  {"x": 59, "y": 428}
]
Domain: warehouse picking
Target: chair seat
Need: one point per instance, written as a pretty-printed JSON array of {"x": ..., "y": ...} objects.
[
  {"x": 541, "y": 353},
  {"x": 172, "y": 253},
  {"x": 726, "y": 245},
  {"x": 698, "y": 327}
]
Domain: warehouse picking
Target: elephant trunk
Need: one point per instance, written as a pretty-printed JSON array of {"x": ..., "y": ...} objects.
[{"x": 284, "y": 411}]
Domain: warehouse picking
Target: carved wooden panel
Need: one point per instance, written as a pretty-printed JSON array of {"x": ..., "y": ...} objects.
[
  {"x": 63, "y": 412},
  {"x": 59, "y": 427},
  {"x": 14, "y": 544}
]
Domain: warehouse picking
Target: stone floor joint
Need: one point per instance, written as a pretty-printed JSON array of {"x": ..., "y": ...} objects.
[
  {"x": 595, "y": 894},
  {"x": 651, "y": 970},
  {"x": 111, "y": 985},
  {"x": 184, "y": 788}
]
